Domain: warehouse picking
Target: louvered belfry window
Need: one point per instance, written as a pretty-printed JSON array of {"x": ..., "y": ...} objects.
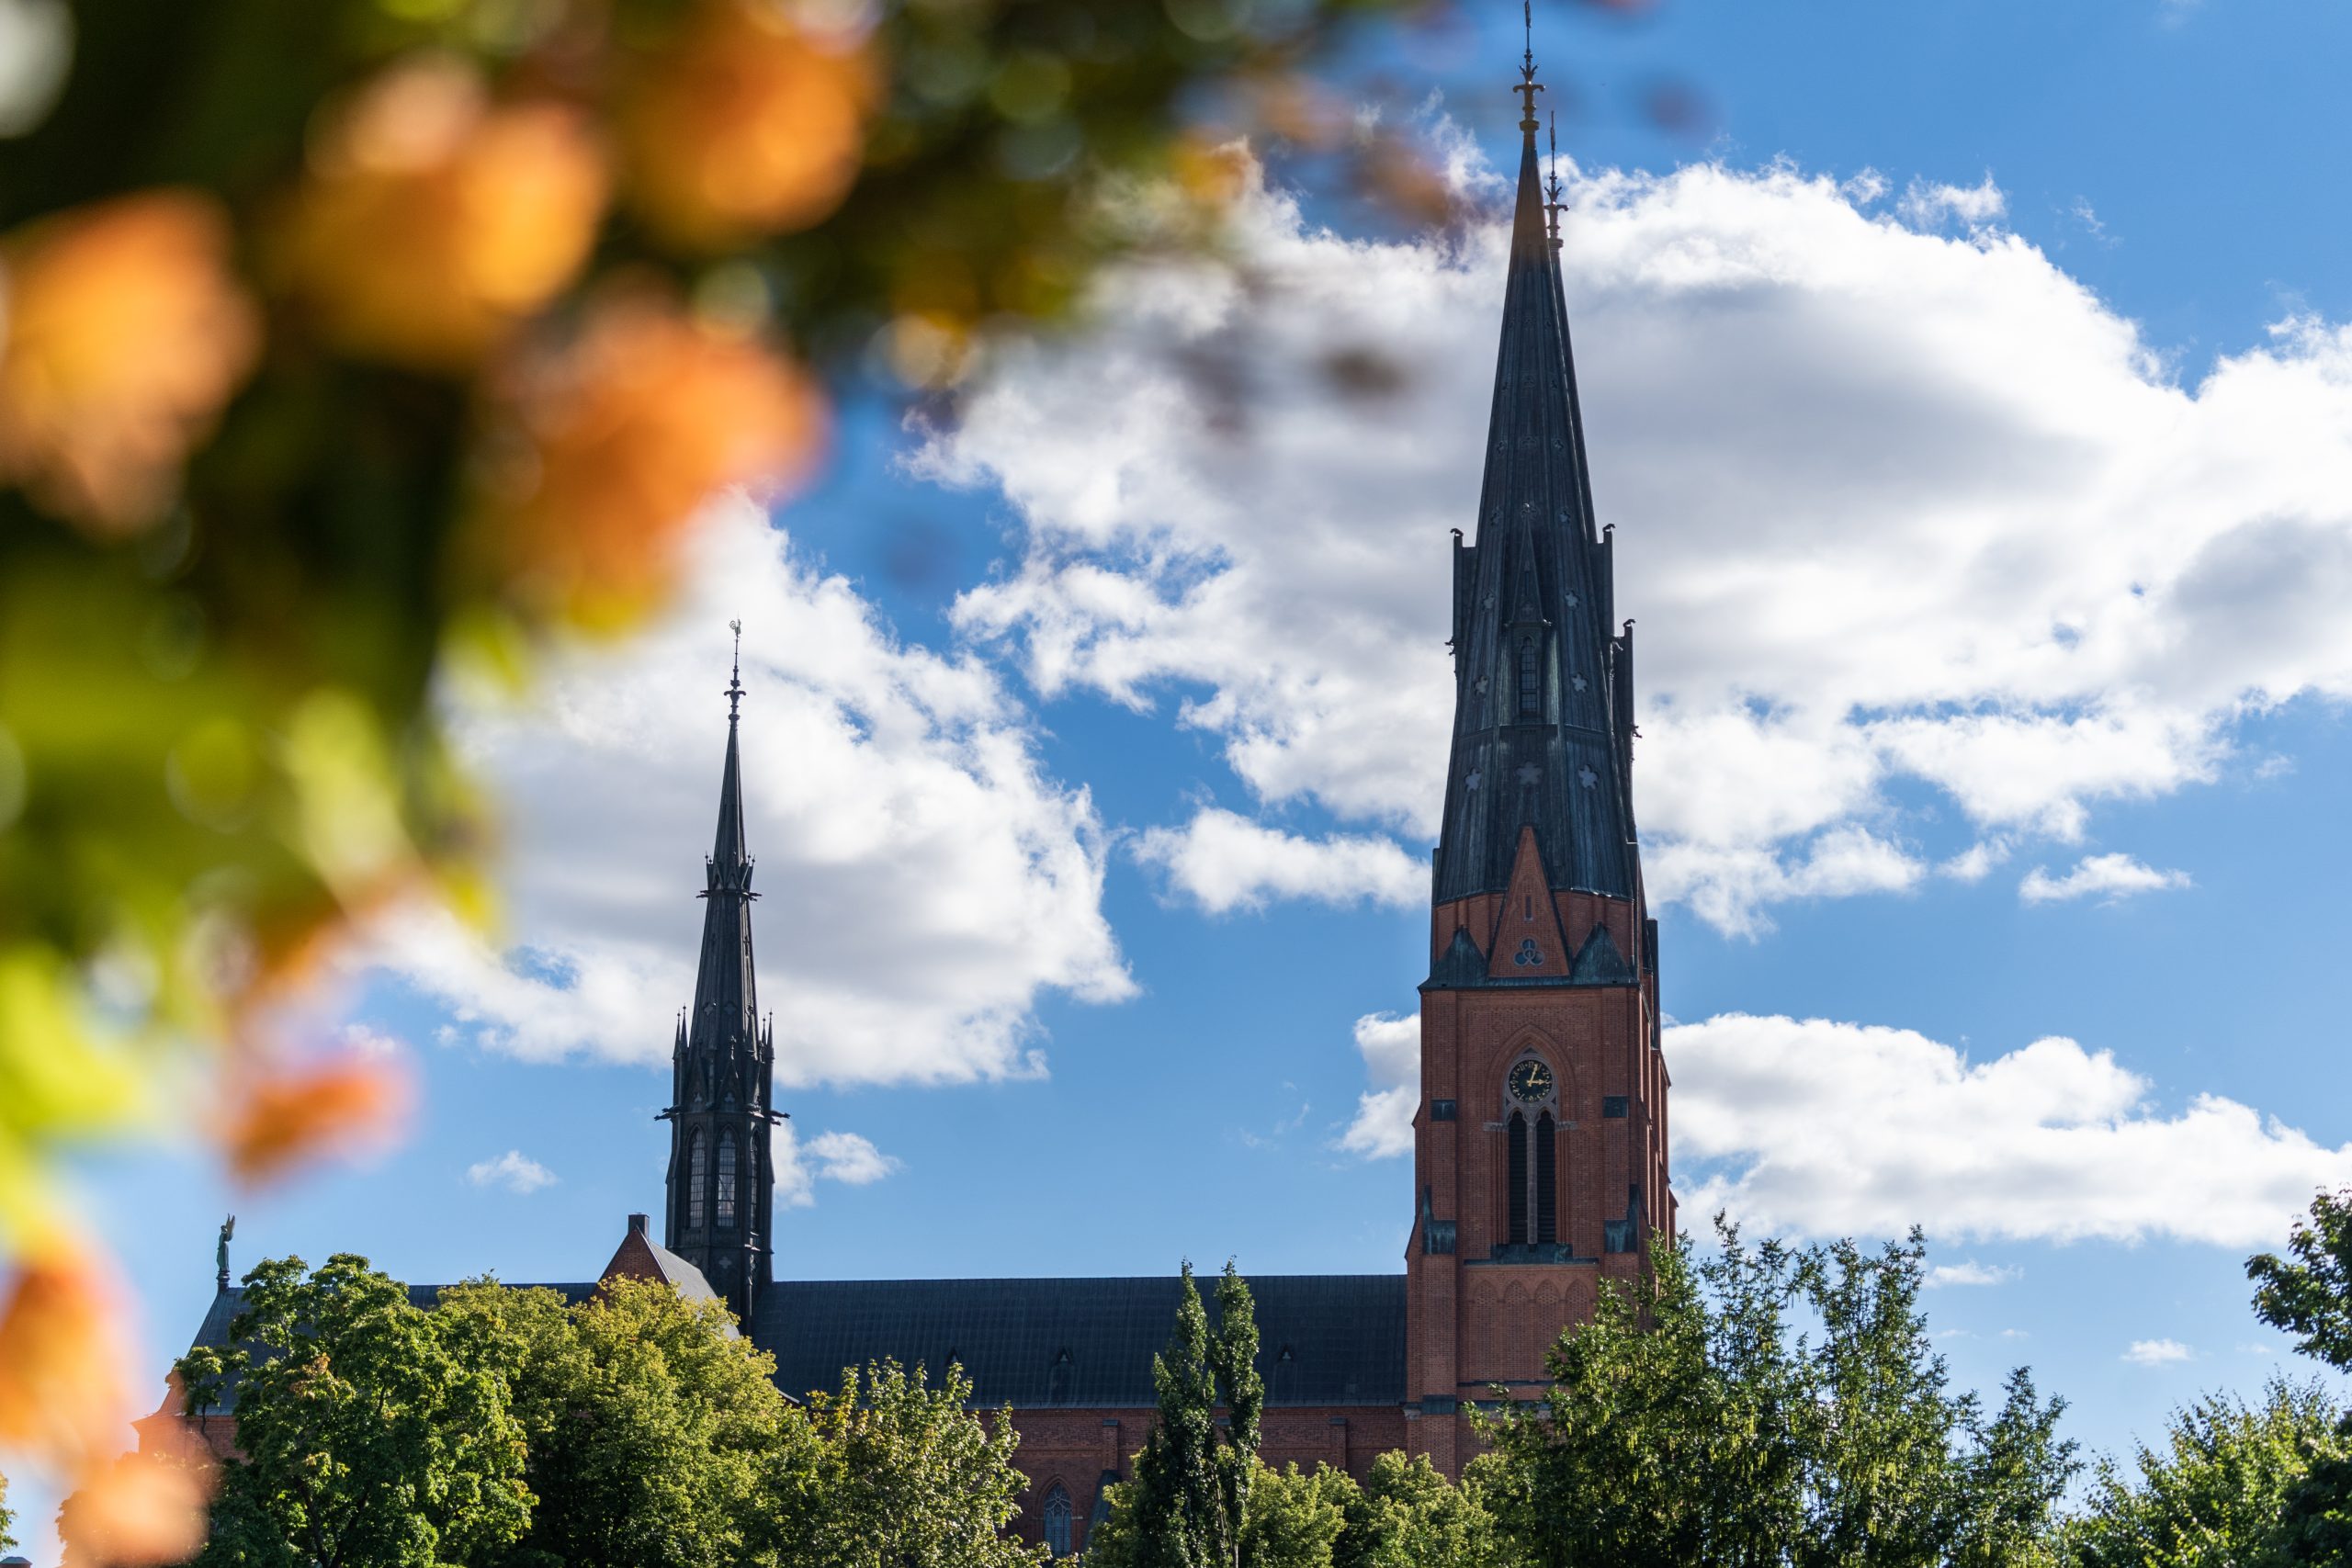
[
  {"x": 726, "y": 1178},
  {"x": 1531, "y": 680},
  {"x": 1547, "y": 1199},
  {"x": 1516, "y": 1229},
  {"x": 698, "y": 1173}
]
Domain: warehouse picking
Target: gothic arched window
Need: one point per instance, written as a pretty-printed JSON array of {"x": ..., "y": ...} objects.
[
  {"x": 726, "y": 1178},
  {"x": 1515, "y": 1230},
  {"x": 697, "y": 1172},
  {"x": 1547, "y": 1227},
  {"x": 1056, "y": 1516},
  {"x": 1531, "y": 680}
]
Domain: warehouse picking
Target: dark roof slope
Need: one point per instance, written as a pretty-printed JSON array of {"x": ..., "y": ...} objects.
[{"x": 1324, "y": 1338}]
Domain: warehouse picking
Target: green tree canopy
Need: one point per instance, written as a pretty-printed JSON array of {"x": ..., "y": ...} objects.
[
  {"x": 2310, "y": 1297},
  {"x": 7, "y": 1520},
  {"x": 907, "y": 1476},
  {"x": 502, "y": 1429},
  {"x": 1295, "y": 1519},
  {"x": 370, "y": 1439},
  {"x": 2213, "y": 1494},
  {"x": 652, "y": 1430},
  {"x": 1405, "y": 1514},
  {"x": 1694, "y": 1420}
]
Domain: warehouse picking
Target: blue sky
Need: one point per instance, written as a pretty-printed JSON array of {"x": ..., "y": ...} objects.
[{"x": 2038, "y": 591}]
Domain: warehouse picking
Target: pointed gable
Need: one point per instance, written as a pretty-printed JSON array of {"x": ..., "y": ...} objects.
[
  {"x": 1527, "y": 944},
  {"x": 1599, "y": 962},
  {"x": 639, "y": 1257},
  {"x": 1461, "y": 964}
]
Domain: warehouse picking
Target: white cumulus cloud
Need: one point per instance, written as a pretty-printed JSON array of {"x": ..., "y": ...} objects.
[
  {"x": 1224, "y": 861},
  {"x": 515, "y": 1170},
  {"x": 2156, "y": 1352},
  {"x": 2107, "y": 877},
  {"x": 1896, "y": 506},
  {"x": 1928, "y": 205},
  {"x": 923, "y": 878},
  {"x": 1827, "y": 1128},
  {"x": 1970, "y": 1272},
  {"x": 846, "y": 1157},
  {"x": 1815, "y": 1128},
  {"x": 1382, "y": 1126}
]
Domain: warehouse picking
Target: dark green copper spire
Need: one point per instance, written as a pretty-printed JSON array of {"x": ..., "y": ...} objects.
[
  {"x": 1542, "y": 682},
  {"x": 721, "y": 1183}
]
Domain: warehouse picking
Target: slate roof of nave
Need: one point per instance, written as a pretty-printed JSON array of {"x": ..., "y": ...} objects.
[{"x": 1324, "y": 1339}]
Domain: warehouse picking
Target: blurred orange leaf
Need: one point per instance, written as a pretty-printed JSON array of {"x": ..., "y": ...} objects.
[
  {"x": 144, "y": 1509},
  {"x": 746, "y": 124},
  {"x": 63, "y": 1360},
  {"x": 432, "y": 220},
  {"x": 619, "y": 437},
  {"x": 276, "y": 1121},
  {"x": 124, "y": 336}
]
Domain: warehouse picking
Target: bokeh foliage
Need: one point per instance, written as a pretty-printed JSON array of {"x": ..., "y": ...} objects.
[{"x": 348, "y": 345}]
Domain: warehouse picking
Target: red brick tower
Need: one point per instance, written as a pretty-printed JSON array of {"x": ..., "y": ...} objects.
[{"x": 1539, "y": 1149}]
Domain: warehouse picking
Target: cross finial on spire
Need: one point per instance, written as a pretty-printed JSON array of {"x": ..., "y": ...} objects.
[
  {"x": 735, "y": 675},
  {"x": 1528, "y": 86},
  {"x": 1554, "y": 206}
]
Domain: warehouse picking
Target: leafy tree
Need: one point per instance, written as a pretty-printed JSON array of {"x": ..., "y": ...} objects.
[
  {"x": 7, "y": 1518},
  {"x": 2310, "y": 1297},
  {"x": 652, "y": 1431},
  {"x": 905, "y": 1476},
  {"x": 2214, "y": 1496},
  {"x": 370, "y": 1439},
  {"x": 1693, "y": 1421},
  {"x": 1406, "y": 1513},
  {"x": 1293, "y": 1517},
  {"x": 1189, "y": 1501}
]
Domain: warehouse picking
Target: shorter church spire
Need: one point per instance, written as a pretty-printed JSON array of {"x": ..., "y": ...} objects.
[{"x": 720, "y": 1175}]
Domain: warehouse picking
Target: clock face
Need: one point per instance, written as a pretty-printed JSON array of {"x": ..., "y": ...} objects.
[{"x": 1529, "y": 1082}]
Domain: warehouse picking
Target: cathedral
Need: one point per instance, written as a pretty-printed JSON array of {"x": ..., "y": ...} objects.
[{"x": 1540, "y": 1139}]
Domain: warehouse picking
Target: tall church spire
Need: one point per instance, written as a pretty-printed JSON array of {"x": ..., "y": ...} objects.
[
  {"x": 1539, "y": 1142},
  {"x": 721, "y": 1184},
  {"x": 1543, "y": 722}
]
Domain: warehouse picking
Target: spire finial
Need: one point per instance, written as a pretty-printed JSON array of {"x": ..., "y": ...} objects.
[
  {"x": 1554, "y": 206},
  {"x": 735, "y": 675},
  {"x": 1528, "y": 86}
]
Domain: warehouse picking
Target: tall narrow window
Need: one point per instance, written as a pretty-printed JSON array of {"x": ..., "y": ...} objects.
[
  {"x": 1516, "y": 1232},
  {"x": 1531, "y": 681},
  {"x": 1548, "y": 1225},
  {"x": 726, "y": 1178},
  {"x": 1057, "y": 1515},
  {"x": 698, "y": 1173}
]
